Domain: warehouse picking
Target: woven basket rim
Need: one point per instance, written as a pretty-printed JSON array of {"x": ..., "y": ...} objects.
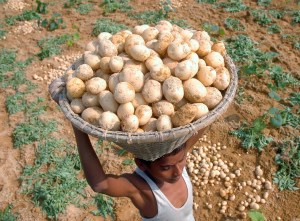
[{"x": 153, "y": 136}]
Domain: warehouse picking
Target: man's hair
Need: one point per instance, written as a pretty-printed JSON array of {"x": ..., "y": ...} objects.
[{"x": 175, "y": 151}]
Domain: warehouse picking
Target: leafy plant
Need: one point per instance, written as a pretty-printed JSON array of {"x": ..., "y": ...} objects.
[
  {"x": 288, "y": 161},
  {"x": 110, "y": 6},
  {"x": 233, "y": 6},
  {"x": 282, "y": 79},
  {"x": 296, "y": 17},
  {"x": 34, "y": 130},
  {"x": 72, "y": 3},
  {"x": 41, "y": 7},
  {"x": 276, "y": 14},
  {"x": 207, "y": 1},
  {"x": 261, "y": 17},
  {"x": 105, "y": 206},
  {"x": 107, "y": 25},
  {"x": 283, "y": 117},
  {"x": 234, "y": 24},
  {"x": 2, "y": 32},
  {"x": 55, "y": 22},
  {"x": 213, "y": 29},
  {"x": 52, "y": 181},
  {"x": 255, "y": 215},
  {"x": 180, "y": 22},
  {"x": 294, "y": 98},
  {"x": 264, "y": 2},
  {"x": 15, "y": 103},
  {"x": 252, "y": 136},
  {"x": 27, "y": 15},
  {"x": 274, "y": 29},
  {"x": 84, "y": 9},
  {"x": 7, "y": 215},
  {"x": 53, "y": 45}
]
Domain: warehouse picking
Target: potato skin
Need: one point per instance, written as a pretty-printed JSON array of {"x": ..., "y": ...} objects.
[
  {"x": 75, "y": 87},
  {"x": 212, "y": 98},
  {"x": 173, "y": 89},
  {"x": 184, "y": 115},
  {"x": 92, "y": 115}
]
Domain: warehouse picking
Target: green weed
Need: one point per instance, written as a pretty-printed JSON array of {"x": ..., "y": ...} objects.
[
  {"x": 15, "y": 103},
  {"x": 110, "y": 6},
  {"x": 7, "y": 215},
  {"x": 233, "y": 6},
  {"x": 240, "y": 96},
  {"x": 283, "y": 117},
  {"x": 274, "y": 29},
  {"x": 255, "y": 215},
  {"x": 282, "y": 79},
  {"x": 288, "y": 161},
  {"x": 27, "y": 15},
  {"x": 264, "y": 3},
  {"x": 107, "y": 25},
  {"x": 180, "y": 22},
  {"x": 296, "y": 17},
  {"x": 72, "y": 3},
  {"x": 41, "y": 7},
  {"x": 252, "y": 136},
  {"x": 294, "y": 99},
  {"x": 51, "y": 46},
  {"x": 276, "y": 14},
  {"x": 297, "y": 45},
  {"x": 2, "y": 32},
  {"x": 207, "y": 1},
  {"x": 234, "y": 24},
  {"x": 213, "y": 29},
  {"x": 261, "y": 17},
  {"x": 3, "y": 1},
  {"x": 31, "y": 131},
  {"x": 84, "y": 9},
  {"x": 105, "y": 205},
  {"x": 55, "y": 22},
  {"x": 52, "y": 181}
]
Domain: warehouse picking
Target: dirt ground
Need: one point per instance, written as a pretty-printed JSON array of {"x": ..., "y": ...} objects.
[{"x": 283, "y": 204}]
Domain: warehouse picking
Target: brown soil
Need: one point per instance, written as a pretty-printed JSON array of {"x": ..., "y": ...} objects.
[{"x": 282, "y": 204}]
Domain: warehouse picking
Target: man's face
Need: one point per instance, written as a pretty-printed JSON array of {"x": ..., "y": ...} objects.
[{"x": 168, "y": 169}]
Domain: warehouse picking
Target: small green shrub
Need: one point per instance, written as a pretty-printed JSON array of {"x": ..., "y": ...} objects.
[
  {"x": 234, "y": 24},
  {"x": 107, "y": 25},
  {"x": 110, "y": 6},
  {"x": 27, "y": 15},
  {"x": 7, "y": 215}
]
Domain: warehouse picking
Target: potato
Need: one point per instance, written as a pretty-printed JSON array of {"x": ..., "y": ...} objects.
[
  {"x": 150, "y": 126},
  {"x": 95, "y": 85},
  {"x": 186, "y": 69},
  {"x": 201, "y": 63},
  {"x": 107, "y": 101},
  {"x": 116, "y": 64},
  {"x": 194, "y": 90},
  {"x": 139, "y": 29},
  {"x": 204, "y": 48},
  {"x": 164, "y": 123},
  {"x": 130, "y": 123},
  {"x": 133, "y": 76},
  {"x": 207, "y": 75},
  {"x": 109, "y": 121},
  {"x": 107, "y": 49},
  {"x": 170, "y": 63},
  {"x": 160, "y": 73},
  {"x": 150, "y": 34},
  {"x": 213, "y": 97},
  {"x": 160, "y": 47},
  {"x": 124, "y": 110},
  {"x": 92, "y": 115},
  {"x": 173, "y": 89},
  {"x": 139, "y": 52},
  {"x": 124, "y": 92},
  {"x": 178, "y": 51},
  {"x": 180, "y": 103},
  {"x": 93, "y": 60},
  {"x": 194, "y": 45},
  {"x": 104, "y": 65},
  {"x": 104, "y": 36},
  {"x": 152, "y": 91},
  {"x": 162, "y": 107},
  {"x": 113, "y": 81},
  {"x": 75, "y": 87},
  {"x": 119, "y": 41},
  {"x": 90, "y": 100},
  {"x": 144, "y": 113},
  {"x": 202, "y": 110},
  {"x": 223, "y": 78},
  {"x": 77, "y": 105},
  {"x": 214, "y": 59},
  {"x": 186, "y": 34},
  {"x": 138, "y": 100},
  {"x": 194, "y": 58},
  {"x": 184, "y": 115},
  {"x": 219, "y": 47},
  {"x": 84, "y": 72},
  {"x": 99, "y": 73},
  {"x": 201, "y": 35},
  {"x": 153, "y": 62},
  {"x": 164, "y": 25},
  {"x": 92, "y": 46},
  {"x": 137, "y": 65},
  {"x": 132, "y": 40}
]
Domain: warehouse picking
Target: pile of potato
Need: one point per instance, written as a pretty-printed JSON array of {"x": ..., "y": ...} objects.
[{"x": 148, "y": 79}]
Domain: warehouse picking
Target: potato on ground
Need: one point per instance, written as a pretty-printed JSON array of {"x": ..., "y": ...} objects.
[
  {"x": 92, "y": 115},
  {"x": 212, "y": 98},
  {"x": 109, "y": 121},
  {"x": 194, "y": 90},
  {"x": 184, "y": 115}
]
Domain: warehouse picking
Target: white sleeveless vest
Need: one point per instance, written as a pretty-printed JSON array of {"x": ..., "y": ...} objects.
[{"x": 166, "y": 211}]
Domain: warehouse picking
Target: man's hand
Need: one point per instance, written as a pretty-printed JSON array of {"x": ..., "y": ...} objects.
[{"x": 56, "y": 87}]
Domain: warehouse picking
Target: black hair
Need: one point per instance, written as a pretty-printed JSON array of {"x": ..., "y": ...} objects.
[{"x": 175, "y": 151}]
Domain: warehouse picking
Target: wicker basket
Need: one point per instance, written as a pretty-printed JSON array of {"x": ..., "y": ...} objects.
[{"x": 152, "y": 145}]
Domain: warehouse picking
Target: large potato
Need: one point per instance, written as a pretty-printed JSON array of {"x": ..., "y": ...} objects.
[
  {"x": 95, "y": 85},
  {"x": 92, "y": 115},
  {"x": 124, "y": 92},
  {"x": 109, "y": 121},
  {"x": 207, "y": 75},
  {"x": 184, "y": 115},
  {"x": 223, "y": 78},
  {"x": 212, "y": 98},
  {"x": 152, "y": 91},
  {"x": 107, "y": 101},
  {"x": 214, "y": 59},
  {"x": 133, "y": 76},
  {"x": 144, "y": 113},
  {"x": 90, "y": 100},
  {"x": 84, "y": 72},
  {"x": 173, "y": 89},
  {"x": 194, "y": 90},
  {"x": 75, "y": 87},
  {"x": 93, "y": 60},
  {"x": 162, "y": 107},
  {"x": 77, "y": 106},
  {"x": 164, "y": 123},
  {"x": 107, "y": 49}
]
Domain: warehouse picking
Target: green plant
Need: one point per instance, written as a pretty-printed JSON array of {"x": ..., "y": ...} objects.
[
  {"x": 2, "y": 32},
  {"x": 72, "y": 3},
  {"x": 84, "y": 9},
  {"x": 52, "y": 180},
  {"x": 41, "y": 7},
  {"x": 53, "y": 45},
  {"x": 241, "y": 96},
  {"x": 25, "y": 16},
  {"x": 127, "y": 162},
  {"x": 264, "y": 3},
  {"x": 180, "y": 22},
  {"x": 276, "y": 14},
  {"x": 252, "y": 136},
  {"x": 207, "y": 1},
  {"x": 107, "y": 25},
  {"x": 283, "y": 117},
  {"x": 55, "y": 22},
  {"x": 213, "y": 29},
  {"x": 7, "y": 215},
  {"x": 234, "y": 24},
  {"x": 233, "y": 6},
  {"x": 288, "y": 161},
  {"x": 105, "y": 206},
  {"x": 261, "y": 17},
  {"x": 15, "y": 103},
  {"x": 282, "y": 79},
  {"x": 297, "y": 45},
  {"x": 110, "y": 6},
  {"x": 255, "y": 215},
  {"x": 294, "y": 99},
  {"x": 296, "y": 17},
  {"x": 274, "y": 29},
  {"x": 31, "y": 131}
]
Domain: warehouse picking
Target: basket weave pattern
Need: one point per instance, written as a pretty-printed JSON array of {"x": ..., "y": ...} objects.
[{"x": 151, "y": 145}]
